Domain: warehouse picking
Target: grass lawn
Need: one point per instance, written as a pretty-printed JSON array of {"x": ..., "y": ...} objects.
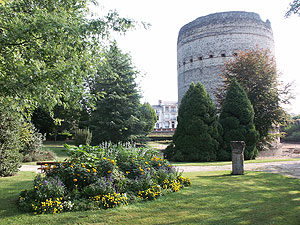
[{"x": 214, "y": 198}]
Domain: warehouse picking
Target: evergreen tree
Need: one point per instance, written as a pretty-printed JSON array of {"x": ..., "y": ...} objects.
[
  {"x": 115, "y": 116},
  {"x": 256, "y": 72},
  {"x": 197, "y": 136},
  {"x": 236, "y": 118}
]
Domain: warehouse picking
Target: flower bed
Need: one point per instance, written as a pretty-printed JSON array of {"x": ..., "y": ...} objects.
[{"x": 101, "y": 177}]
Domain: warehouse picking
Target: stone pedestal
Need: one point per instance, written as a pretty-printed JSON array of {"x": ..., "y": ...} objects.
[{"x": 237, "y": 148}]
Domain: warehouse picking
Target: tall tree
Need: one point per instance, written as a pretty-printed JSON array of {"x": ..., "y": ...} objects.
[
  {"x": 115, "y": 115},
  {"x": 256, "y": 72},
  {"x": 47, "y": 49},
  {"x": 294, "y": 8},
  {"x": 197, "y": 136},
  {"x": 236, "y": 118}
]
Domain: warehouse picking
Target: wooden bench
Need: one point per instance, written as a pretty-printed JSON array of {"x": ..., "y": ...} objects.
[{"x": 44, "y": 165}]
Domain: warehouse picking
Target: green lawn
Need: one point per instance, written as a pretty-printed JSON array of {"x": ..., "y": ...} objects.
[{"x": 213, "y": 198}]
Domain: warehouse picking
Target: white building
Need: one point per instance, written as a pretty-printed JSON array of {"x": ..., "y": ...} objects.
[{"x": 167, "y": 112}]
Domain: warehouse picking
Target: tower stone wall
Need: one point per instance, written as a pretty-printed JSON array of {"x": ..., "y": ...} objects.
[{"x": 205, "y": 44}]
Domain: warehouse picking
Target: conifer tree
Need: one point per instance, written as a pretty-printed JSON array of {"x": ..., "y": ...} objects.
[
  {"x": 197, "y": 136},
  {"x": 115, "y": 116},
  {"x": 236, "y": 118}
]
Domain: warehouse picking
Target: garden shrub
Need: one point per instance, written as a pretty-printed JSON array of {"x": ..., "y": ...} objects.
[
  {"x": 236, "y": 118},
  {"x": 105, "y": 176},
  {"x": 198, "y": 134},
  {"x": 82, "y": 137},
  {"x": 10, "y": 142}
]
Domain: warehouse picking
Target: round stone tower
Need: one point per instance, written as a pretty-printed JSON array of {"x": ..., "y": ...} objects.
[{"x": 206, "y": 43}]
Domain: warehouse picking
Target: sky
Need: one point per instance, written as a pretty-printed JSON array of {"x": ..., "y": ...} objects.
[{"x": 154, "y": 50}]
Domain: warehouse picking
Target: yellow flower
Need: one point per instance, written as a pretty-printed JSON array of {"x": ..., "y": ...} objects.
[
  {"x": 78, "y": 175},
  {"x": 75, "y": 180},
  {"x": 82, "y": 165},
  {"x": 159, "y": 164},
  {"x": 146, "y": 163},
  {"x": 88, "y": 170},
  {"x": 109, "y": 171},
  {"x": 94, "y": 170},
  {"x": 141, "y": 169},
  {"x": 35, "y": 187},
  {"x": 127, "y": 172},
  {"x": 104, "y": 158},
  {"x": 112, "y": 161},
  {"x": 54, "y": 167}
]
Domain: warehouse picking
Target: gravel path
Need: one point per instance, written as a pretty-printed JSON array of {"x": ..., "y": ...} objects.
[{"x": 288, "y": 168}]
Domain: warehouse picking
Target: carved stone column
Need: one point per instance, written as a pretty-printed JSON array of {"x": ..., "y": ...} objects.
[{"x": 237, "y": 148}]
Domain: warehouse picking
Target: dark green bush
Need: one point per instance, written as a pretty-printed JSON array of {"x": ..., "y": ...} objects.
[
  {"x": 236, "y": 118},
  {"x": 10, "y": 144},
  {"x": 197, "y": 137}
]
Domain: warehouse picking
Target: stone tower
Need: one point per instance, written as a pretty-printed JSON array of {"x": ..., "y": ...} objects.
[{"x": 206, "y": 43}]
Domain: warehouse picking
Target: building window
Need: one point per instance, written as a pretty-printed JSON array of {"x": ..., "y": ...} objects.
[
  {"x": 211, "y": 56},
  {"x": 173, "y": 124},
  {"x": 235, "y": 54},
  {"x": 167, "y": 116},
  {"x": 173, "y": 109},
  {"x": 191, "y": 60},
  {"x": 200, "y": 58},
  {"x": 223, "y": 55},
  {"x": 157, "y": 125},
  {"x": 173, "y": 117},
  {"x": 167, "y": 124},
  {"x": 167, "y": 108},
  {"x": 183, "y": 63}
]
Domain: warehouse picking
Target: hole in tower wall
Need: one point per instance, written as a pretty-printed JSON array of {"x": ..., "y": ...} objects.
[
  {"x": 183, "y": 63},
  {"x": 235, "y": 54},
  {"x": 223, "y": 55},
  {"x": 191, "y": 60},
  {"x": 211, "y": 56},
  {"x": 200, "y": 58}
]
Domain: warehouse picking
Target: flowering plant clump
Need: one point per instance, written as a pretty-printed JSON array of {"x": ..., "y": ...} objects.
[
  {"x": 151, "y": 193},
  {"x": 101, "y": 177}
]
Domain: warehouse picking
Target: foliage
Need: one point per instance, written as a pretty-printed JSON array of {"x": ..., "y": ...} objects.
[
  {"x": 236, "y": 118},
  {"x": 197, "y": 137},
  {"x": 292, "y": 130},
  {"x": 82, "y": 137},
  {"x": 48, "y": 49},
  {"x": 101, "y": 177},
  {"x": 294, "y": 8},
  {"x": 147, "y": 116},
  {"x": 255, "y": 70},
  {"x": 44, "y": 121},
  {"x": 11, "y": 124},
  {"x": 114, "y": 118},
  {"x": 32, "y": 142}
]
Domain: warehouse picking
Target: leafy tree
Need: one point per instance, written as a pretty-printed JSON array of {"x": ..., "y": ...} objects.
[
  {"x": 236, "y": 118},
  {"x": 115, "y": 116},
  {"x": 197, "y": 136},
  {"x": 256, "y": 72},
  {"x": 291, "y": 130},
  {"x": 48, "y": 49},
  {"x": 147, "y": 119},
  {"x": 46, "y": 124},
  {"x": 294, "y": 8}
]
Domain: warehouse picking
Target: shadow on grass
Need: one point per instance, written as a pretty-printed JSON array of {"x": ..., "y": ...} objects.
[{"x": 214, "y": 198}]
